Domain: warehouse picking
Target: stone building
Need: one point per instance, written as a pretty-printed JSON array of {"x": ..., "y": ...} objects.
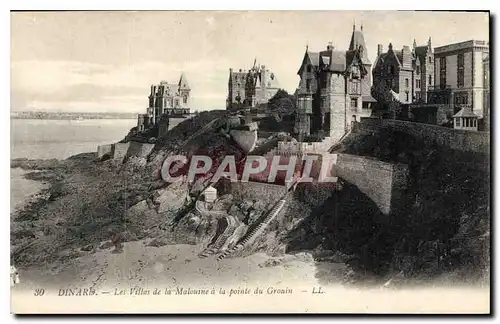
[
  {"x": 460, "y": 79},
  {"x": 407, "y": 72},
  {"x": 248, "y": 89},
  {"x": 334, "y": 89},
  {"x": 486, "y": 94},
  {"x": 171, "y": 99}
]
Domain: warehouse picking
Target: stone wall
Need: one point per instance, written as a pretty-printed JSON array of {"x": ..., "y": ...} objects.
[
  {"x": 264, "y": 192},
  {"x": 384, "y": 183},
  {"x": 120, "y": 152},
  {"x": 289, "y": 148},
  {"x": 102, "y": 150},
  {"x": 462, "y": 140},
  {"x": 138, "y": 149}
]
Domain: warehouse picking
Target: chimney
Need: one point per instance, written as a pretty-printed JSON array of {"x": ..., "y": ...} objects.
[
  {"x": 380, "y": 49},
  {"x": 406, "y": 56},
  {"x": 330, "y": 46}
]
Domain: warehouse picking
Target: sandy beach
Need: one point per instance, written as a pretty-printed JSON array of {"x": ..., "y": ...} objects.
[{"x": 171, "y": 265}]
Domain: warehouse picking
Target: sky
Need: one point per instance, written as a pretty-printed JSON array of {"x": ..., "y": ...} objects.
[{"x": 106, "y": 61}]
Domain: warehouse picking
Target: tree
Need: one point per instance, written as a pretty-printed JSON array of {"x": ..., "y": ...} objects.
[
  {"x": 282, "y": 102},
  {"x": 386, "y": 106}
]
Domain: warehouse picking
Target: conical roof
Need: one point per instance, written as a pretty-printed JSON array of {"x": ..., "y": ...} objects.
[
  {"x": 183, "y": 84},
  {"x": 358, "y": 41}
]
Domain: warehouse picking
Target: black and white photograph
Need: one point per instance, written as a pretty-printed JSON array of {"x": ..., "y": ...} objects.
[{"x": 255, "y": 162}]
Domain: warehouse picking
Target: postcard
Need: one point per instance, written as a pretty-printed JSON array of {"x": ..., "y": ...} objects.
[{"x": 180, "y": 162}]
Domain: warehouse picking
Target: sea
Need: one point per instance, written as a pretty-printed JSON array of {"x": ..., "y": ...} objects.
[{"x": 59, "y": 139}]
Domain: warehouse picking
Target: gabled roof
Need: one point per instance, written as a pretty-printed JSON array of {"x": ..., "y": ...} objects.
[
  {"x": 355, "y": 56},
  {"x": 383, "y": 57},
  {"x": 271, "y": 81},
  {"x": 309, "y": 58},
  {"x": 314, "y": 57},
  {"x": 399, "y": 57}
]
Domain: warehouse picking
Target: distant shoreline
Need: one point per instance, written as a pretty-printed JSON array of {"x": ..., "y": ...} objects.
[
  {"x": 42, "y": 115},
  {"x": 67, "y": 118},
  {"x": 69, "y": 115}
]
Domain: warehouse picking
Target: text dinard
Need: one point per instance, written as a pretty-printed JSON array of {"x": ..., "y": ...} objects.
[{"x": 181, "y": 291}]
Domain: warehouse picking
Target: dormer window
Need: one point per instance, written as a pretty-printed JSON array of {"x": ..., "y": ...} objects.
[{"x": 309, "y": 68}]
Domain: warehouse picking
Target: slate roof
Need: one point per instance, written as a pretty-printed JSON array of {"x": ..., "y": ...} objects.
[
  {"x": 368, "y": 98},
  {"x": 465, "y": 112},
  {"x": 421, "y": 52},
  {"x": 183, "y": 82},
  {"x": 358, "y": 40},
  {"x": 334, "y": 61},
  {"x": 314, "y": 57}
]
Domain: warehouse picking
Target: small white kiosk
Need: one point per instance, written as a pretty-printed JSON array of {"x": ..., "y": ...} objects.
[
  {"x": 210, "y": 194},
  {"x": 465, "y": 119}
]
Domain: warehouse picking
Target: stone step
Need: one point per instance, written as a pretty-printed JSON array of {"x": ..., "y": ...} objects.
[{"x": 252, "y": 234}]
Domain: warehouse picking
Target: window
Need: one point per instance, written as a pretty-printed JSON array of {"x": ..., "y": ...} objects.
[
  {"x": 407, "y": 96},
  {"x": 430, "y": 79},
  {"x": 457, "y": 122},
  {"x": 461, "y": 98},
  {"x": 354, "y": 103},
  {"x": 418, "y": 95},
  {"x": 355, "y": 87},
  {"x": 418, "y": 69},
  {"x": 442, "y": 63},
  {"x": 430, "y": 59},
  {"x": 308, "y": 84},
  {"x": 460, "y": 70},
  {"x": 460, "y": 78},
  {"x": 309, "y": 69},
  {"x": 407, "y": 83},
  {"x": 392, "y": 69},
  {"x": 185, "y": 99},
  {"x": 418, "y": 83}
]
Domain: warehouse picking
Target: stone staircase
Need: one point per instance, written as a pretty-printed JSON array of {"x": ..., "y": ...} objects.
[
  {"x": 256, "y": 231},
  {"x": 221, "y": 240}
]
